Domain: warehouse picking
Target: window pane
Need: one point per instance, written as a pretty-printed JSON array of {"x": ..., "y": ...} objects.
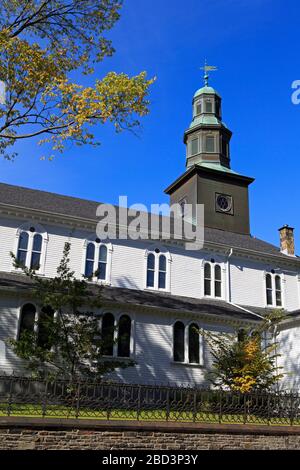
[
  {"x": 103, "y": 253},
  {"x": 35, "y": 261},
  {"x": 207, "y": 271},
  {"x": 102, "y": 271},
  {"x": 37, "y": 242},
  {"x": 162, "y": 280},
  {"x": 268, "y": 281},
  {"x": 208, "y": 106},
  {"x": 194, "y": 344},
  {"x": 162, "y": 263},
  {"x": 198, "y": 107},
  {"x": 124, "y": 336},
  {"x": 150, "y": 278},
  {"x": 90, "y": 251},
  {"x": 178, "y": 342},
  {"x": 278, "y": 283},
  {"x": 269, "y": 297},
  {"x": 27, "y": 319},
  {"x": 23, "y": 241},
  {"x": 218, "y": 289},
  {"x": 278, "y": 298},
  {"x": 89, "y": 268},
  {"x": 151, "y": 261},
  {"x": 194, "y": 146},
  {"x": 21, "y": 257},
  {"x": 46, "y": 317},
  {"x": 217, "y": 273},
  {"x": 108, "y": 334},
  {"x": 207, "y": 287},
  {"x": 209, "y": 144}
]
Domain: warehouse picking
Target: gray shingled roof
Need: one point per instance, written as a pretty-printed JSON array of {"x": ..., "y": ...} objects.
[
  {"x": 82, "y": 208},
  {"x": 143, "y": 298}
]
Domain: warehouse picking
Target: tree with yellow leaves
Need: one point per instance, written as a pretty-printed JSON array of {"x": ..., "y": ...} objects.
[
  {"x": 245, "y": 361},
  {"x": 43, "y": 44}
]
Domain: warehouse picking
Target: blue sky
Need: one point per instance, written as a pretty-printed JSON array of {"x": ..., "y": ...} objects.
[{"x": 255, "y": 44}]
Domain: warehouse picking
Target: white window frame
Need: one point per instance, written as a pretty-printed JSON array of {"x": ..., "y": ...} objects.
[
  {"x": 108, "y": 245},
  {"x": 212, "y": 290},
  {"x": 187, "y": 324},
  {"x": 117, "y": 315},
  {"x": 166, "y": 253},
  {"x": 273, "y": 284},
  {"x": 39, "y": 230}
]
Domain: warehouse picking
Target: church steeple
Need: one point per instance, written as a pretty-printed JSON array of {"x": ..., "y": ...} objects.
[{"x": 207, "y": 139}]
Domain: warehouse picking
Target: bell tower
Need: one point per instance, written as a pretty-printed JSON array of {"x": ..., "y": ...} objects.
[
  {"x": 208, "y": 178},
  {"x": 207, "y": 139}
]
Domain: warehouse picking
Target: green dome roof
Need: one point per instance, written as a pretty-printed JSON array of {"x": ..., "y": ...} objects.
[{"x": 206, "y": 90}]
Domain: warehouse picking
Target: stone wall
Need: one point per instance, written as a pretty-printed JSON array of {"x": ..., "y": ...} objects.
[{"x": 59, "y": 434}]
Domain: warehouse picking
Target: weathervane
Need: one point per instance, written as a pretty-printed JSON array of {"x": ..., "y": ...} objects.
[{"x": 207, "y": 68}]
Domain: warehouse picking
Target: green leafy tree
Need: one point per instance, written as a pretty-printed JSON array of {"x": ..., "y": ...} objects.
[
  {"x": 245, "y": 361},
  {"x": 43, "y": 45},
  {"x": 66, "y": 344}
]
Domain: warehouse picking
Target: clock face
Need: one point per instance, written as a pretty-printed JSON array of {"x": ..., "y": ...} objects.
[{"x": 223, "y": 203}]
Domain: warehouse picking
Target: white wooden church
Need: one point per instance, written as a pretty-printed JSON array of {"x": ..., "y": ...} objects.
[{"x": 157, "y": 291}]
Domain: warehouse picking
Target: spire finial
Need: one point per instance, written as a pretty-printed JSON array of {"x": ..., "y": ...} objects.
[{"x": 207, "y": 68}]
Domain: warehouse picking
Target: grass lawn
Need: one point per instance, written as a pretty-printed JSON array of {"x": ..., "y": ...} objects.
[{"x": 60, "y": 411}]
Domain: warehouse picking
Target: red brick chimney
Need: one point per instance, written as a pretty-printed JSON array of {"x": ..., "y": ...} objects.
[{"x": 287, "y": 243}]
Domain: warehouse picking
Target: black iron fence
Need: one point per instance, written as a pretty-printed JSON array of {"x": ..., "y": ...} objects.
[{"x": 23, "y": 396}]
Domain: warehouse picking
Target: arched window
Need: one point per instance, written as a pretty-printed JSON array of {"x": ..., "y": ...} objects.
[
  {"x": 89, "y": 262},
  {"x": 102, "y": 262},
  {"x": 36, "y": 252},
  {"x": 194, "y": 344},
  {"x": 212, "y": 280},
  {"x": 269, "y": 289},
  {"x": 178, "y": 342},
  {"x": 157, "y": 276},
  {"x": 218, "y": 281},
  {"x": 150, "y": 270},
  {"x": 162, "y": 272},
  {"x": 30, "y": 246},
  {"x": 278, "y": 291},
  {"x": 207, "y": 279},
  {"x": 27, "y": 319},
  {"x": 108, "y": 328},
  {"x": 45, "y": 318},
  {"x": 124, "y": 333},
  {"x": 22, "y": 248},
  {"x": 96, "y": 261}
]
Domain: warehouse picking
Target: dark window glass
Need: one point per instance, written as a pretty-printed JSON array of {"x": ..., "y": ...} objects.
[
  {"x": 198, "y": 108},
  {"x": 89, "y": 263},
  {"x": 37, "y": 242},
  {"x": 269, "y": 289},
  {"x": 278, "y": 291},
  {"x": 102, "y": 262},
  {"x": 194, "y": 344},
  {"x": 208, "y": 106},
  {"x": 218, "y": 281},
  {"x": 150, "y": 270},
  {"x": 209, "y": 144},
  {"x": 22, "y": 248},
  {"x": 207, "y": 279},
  {"x": 27, "y": 319},
  {"x": 162, "y": 272},
  {"x": 108, "y": 326},
  {"x": 124, "y": 336},
  {"x": 36, "y": 252},
  {"x": 46, "y": 317},
  {"x": 178, "y": 342}
]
